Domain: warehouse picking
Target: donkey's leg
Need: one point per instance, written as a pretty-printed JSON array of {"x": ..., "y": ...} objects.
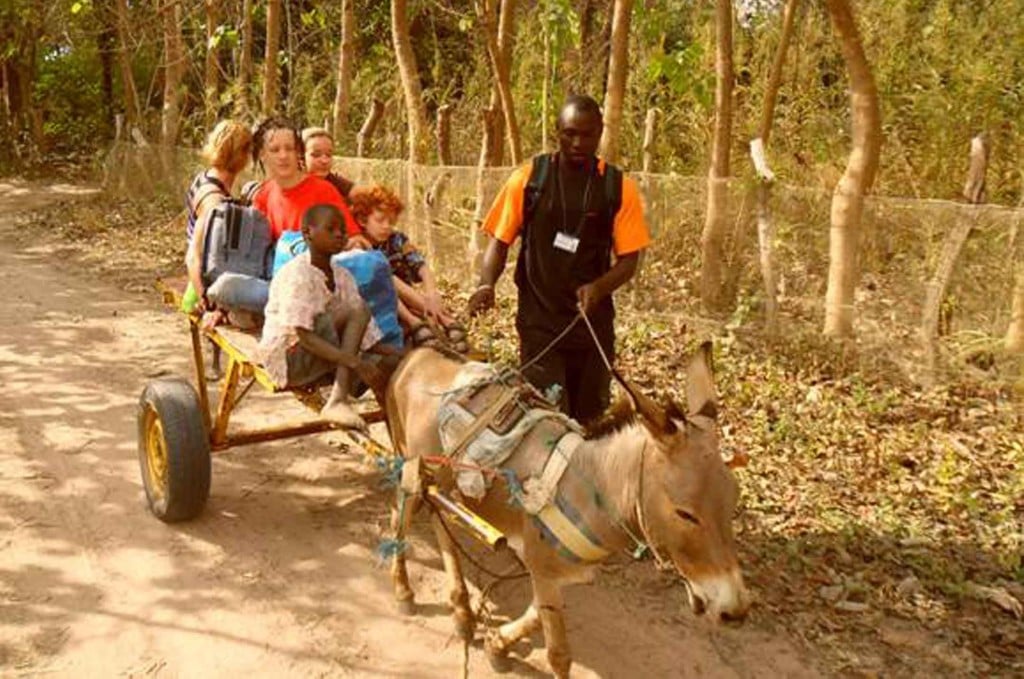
[
  {"x": 401, "y": 518},
  {"x": 500, "y": 640},
  {"x": 458, "y": 594},
  {"x": 547, "y": 593}
]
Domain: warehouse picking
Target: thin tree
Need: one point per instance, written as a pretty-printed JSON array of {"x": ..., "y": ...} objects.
[
  {"x": 245, "y": 60},
  {"x": 174, "y": 69},
  {"x": 491, "y": 144},
  {"x": 848, "y": 197},
  {"x": 501, "y": 68},
  {"x": 716, "y": 218},
  {"x": 132, "y": 110},
  {"x": 493, "y": 148},
  {"x": 416, "y": 116},
  {"x": 270, "y": 70},
  {"x": 618, "y": 69},
  {"x": 212, "y": 66},
  {"x": 346, "y": 57},
  {"x": 758, "y": 147}
]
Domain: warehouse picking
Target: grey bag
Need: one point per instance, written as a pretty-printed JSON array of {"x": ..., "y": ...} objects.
[{"x": 238, "y": 240}]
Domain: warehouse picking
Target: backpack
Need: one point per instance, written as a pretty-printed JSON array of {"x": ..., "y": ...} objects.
[
  {"x": 290, "y": 245},
  {"x": 238, "y": 240},
  {"x": 539, "y": 175},
  {"x": 372, "y": 274}
]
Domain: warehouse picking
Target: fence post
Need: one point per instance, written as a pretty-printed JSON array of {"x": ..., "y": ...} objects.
[{"x": 935, "y": 291}]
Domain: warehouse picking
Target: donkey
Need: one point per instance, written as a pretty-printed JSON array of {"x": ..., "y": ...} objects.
[{"x": 659, "y": 476}]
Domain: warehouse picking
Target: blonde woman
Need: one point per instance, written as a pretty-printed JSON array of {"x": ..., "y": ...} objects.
[{"x": 226, "y": 153}]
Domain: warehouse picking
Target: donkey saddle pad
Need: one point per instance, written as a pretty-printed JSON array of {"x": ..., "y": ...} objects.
[{"x": 483, "y": 419}]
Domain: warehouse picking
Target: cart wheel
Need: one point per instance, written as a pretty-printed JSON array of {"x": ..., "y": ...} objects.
[{"x": 174, "y": 451}]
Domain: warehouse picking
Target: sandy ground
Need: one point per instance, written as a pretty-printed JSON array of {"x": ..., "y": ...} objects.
[{"x": 279, "y": 576}]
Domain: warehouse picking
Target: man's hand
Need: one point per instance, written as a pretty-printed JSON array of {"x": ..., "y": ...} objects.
[
  {"x": 481, "y": 300},
  {"x": 588, "y": 296}
]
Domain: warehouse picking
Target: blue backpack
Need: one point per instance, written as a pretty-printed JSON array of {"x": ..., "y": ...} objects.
[
  {"x": 289, "y": 246},
  {"x": 372, "y": 272}
]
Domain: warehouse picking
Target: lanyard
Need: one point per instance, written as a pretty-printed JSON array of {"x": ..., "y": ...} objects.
[{"x": 561, "y": 195}]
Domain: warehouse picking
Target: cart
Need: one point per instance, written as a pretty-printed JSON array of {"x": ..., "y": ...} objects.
[{"x": 178, "y": 430}]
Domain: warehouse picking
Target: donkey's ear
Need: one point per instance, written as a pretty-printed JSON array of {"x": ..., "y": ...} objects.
[
  {"x": 675, "y": 411},
  {"x": 700, "y": 383},
  {"x": 655, "y": 418}
]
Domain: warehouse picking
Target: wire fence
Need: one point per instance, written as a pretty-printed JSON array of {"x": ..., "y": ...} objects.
[{"x": 901, "y": 245}]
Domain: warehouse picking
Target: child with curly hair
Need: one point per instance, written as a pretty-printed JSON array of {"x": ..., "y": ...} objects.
[{"x": 376, "y": 209}]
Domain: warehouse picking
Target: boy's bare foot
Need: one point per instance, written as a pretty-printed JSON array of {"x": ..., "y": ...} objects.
[{"x": 342, "y": 414}]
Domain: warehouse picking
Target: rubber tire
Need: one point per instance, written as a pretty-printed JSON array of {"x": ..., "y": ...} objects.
[{"x": 176, "y": 406}]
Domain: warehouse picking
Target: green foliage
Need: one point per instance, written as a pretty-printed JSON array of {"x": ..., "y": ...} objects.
[
  {"x": 68, "y": 88},
  {"x": 945, "y": 69}
]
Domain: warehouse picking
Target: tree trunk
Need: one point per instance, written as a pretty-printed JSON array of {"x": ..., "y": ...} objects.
[
  {"x": 444, "y": 135},
  {"x": 577, "y": 68},
  {"x": 210, "y": 71},
  {"x": 489, "y": 157},
  {"x": 133, "y": 114},
  {"x": 716, "y": 219},
  {"x": 506, "y": 36},
  {"x": 618, "y": 69},
  {"x": 501, "y": 67},
  {"x": 346, "y": 58},
  {"x": 765, "y": 224},
  {"x": 245, "y": 61},
  {"x": 174, "y": 70},
  {"x": 364, "y": 140},
  {"x": 106, "y": 44},
  {"x": 416, "y": 116},
  {"x": 271, "y": 83},
  {"x": 775, "y": 77},
  {"x": 603, "y": 50},
  {"x": 848, "y": 198}
]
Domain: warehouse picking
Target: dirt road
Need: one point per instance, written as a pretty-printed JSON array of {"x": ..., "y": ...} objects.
[{"x": 278, "y": 577}]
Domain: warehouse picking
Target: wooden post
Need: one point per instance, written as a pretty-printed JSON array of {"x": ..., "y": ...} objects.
[
  {"x": 444, "y": 134},
  {"x": 766, "y": 235},
  {"x": 432, "y": 200},
  {"x": 650, "y": 131},
  {"x": 935, "y": 291},
  {"x": 364, "y": 138},
  {"x": 974, "y": 187}
]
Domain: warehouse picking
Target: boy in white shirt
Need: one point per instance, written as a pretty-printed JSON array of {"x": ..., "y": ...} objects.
[{"x": 316, "y": 322}]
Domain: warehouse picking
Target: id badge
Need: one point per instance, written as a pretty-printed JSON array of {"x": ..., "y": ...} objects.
[{"x": 564, "y": 241}]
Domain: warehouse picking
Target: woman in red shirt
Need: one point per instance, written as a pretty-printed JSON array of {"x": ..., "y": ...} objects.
[{"x": 289, "y": 190}]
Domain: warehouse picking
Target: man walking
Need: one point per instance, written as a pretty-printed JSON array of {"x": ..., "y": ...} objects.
[{"x": 573, "y": 212}]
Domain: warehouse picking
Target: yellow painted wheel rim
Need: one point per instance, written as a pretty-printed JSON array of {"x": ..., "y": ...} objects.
[{"x": 156, "y": 453}]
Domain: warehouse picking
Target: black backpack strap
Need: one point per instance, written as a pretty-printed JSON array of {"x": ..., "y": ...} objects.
[
  {"x": 612, "y": 190},
  {"x": 535, "y": 187}
]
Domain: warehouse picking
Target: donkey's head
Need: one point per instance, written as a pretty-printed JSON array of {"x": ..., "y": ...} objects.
[{"x": 688, "y": 494}]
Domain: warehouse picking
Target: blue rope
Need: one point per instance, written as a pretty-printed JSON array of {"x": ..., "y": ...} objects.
[
  {"x": 390, "y": 469},
  {"x": 388, "y": 549},
  {"x": 515, "y": 489}
]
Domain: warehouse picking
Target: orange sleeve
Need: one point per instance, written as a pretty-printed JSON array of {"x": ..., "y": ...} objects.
[
  {"x": 505, "y": 219},
  {"x": 629, "y": 232}
]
